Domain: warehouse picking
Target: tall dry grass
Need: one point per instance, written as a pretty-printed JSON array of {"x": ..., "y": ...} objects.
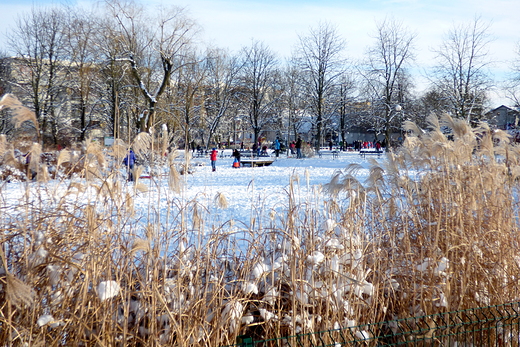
[{"x": 432, "y": 230}]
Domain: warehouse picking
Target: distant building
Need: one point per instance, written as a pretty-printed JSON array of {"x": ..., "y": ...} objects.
[
  {"x": 64, "y": 127},
  {"x": 503, "y": 117}
]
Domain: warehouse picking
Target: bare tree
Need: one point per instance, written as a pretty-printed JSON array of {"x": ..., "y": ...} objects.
[
  {"x": 188, "y": 95},
  {"x": 344, "y": 91},
  {"x": 119, "y": 98},
  {"x": 6, "y": 126},
  {"x": 80, "y": 47},
  {"x": 461, "y": 76},
  {"x": 154, "y": 48},
  {"x": 294, "y": 102},
  {"x": 386, "y": 79},
  {"x": 319, "y": 57},
  {"x": 512, "y": 86},
  {"x": 257, "y": 86},
  {"x": 221, "y": 91},
  {"x": 5, "y": 86},
  {"x": 38, "y": 40}
]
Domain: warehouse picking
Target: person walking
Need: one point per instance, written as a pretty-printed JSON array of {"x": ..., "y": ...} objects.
[
  {"x": 129, "y": 162},
  {"x": 298, "y": 147},
  {"x": 277, "y": 147},
  {"x": 213, "y": 158}
]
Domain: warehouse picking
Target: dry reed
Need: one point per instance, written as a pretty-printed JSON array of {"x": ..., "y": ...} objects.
[{"x": 431, "y": 231}]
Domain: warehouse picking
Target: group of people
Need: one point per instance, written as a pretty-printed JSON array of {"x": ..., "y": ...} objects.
[
  {"x": 357, "y": 145},
  {"x": 213, "y": 159},
  {"x": 260, "y": 150},
  {"x": 296, "y": 148},
  {"x": 129, "y": 160}
]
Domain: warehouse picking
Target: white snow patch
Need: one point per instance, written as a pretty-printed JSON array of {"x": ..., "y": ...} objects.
[
  {"x": 108, "y": 289},
  {"x": 44, "y": 320},
  {"x": 315, "y": 258}
]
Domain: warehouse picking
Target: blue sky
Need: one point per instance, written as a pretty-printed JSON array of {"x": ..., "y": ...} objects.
[
  {"x": 278, "y": 23},
  {"x": 234, "y": 23}
]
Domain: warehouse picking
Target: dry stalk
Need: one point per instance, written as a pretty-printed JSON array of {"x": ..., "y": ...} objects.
[{"x": 431, "y": 231}]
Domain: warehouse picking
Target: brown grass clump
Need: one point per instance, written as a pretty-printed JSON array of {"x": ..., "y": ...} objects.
[
  {"x": 432, "y": 230},
  {"x": 20, "y": 113},
  {"x": 455, "y": 222}
]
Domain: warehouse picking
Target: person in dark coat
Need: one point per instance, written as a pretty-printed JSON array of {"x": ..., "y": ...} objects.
[
  {"x": 298, "y": 147},
  {"x": 129, "y": 162},
  {"x": 236, "y": 161}
]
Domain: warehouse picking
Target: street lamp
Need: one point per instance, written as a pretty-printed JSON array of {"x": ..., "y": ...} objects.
[
  {"x": 398, "y": 109},
  {"x": 236, "y": 120}
]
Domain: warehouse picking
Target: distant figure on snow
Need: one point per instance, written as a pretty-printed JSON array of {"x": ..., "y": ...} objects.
[
  {"x": 277, "y": 146},
  {"x": 129, "y": 162},
  {"x": 213, "y": 158},
  {"x": 292, "y": 146},
  {"x": 298, "y": 148},
  {"x": 236, "y": 161},
  {"x": 31, "y": 171}
]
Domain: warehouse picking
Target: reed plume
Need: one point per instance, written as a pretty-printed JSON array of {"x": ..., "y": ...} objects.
[
  {"x": 18, "y": 293},
  {"x": 20, "y": 113},
  {"x": 142, "y": 144},
  {"x": 221, "y": 201},
  {"x": 63, "y": 157}
]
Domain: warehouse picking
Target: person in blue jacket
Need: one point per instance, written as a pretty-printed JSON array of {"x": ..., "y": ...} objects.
[
  {"x": 277, "y": 147},
  {"x": 129, "y": 162}
]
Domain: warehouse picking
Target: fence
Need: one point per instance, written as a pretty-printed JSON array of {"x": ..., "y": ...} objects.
[{"x": 485, "y": 326}]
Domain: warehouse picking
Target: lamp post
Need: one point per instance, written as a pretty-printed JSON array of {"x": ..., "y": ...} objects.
[
  {"x": 399, "y": 109},
  {"x": 235, "y": 121},
  {"x": 235, "y": 133}
]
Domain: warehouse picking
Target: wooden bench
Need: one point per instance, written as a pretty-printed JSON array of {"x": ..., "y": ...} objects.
[
  {"x": 200, "y": 154},
  {"x": 246, "y": 154},
  {"x": 364, "y": 152},
  {"x": 256, "y": 161},
  {"x": 251, "y": 154},
  {"x": 335, "y": 154}
]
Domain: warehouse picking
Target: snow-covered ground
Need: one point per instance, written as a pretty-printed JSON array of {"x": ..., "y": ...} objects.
[
  {"x": 253, "y": 194},
  {"x": 248, "y": 189}
]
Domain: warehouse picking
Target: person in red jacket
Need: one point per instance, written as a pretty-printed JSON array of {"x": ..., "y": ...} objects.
[{"x": 213, "y": 158}]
